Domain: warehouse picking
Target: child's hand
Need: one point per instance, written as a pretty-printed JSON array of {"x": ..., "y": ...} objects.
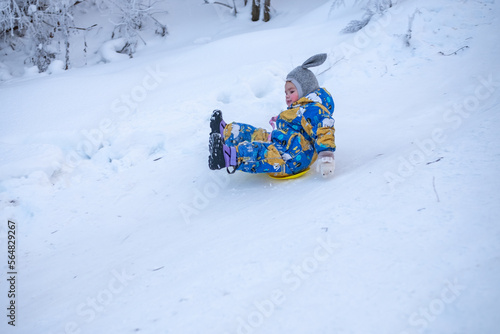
[{"x": 326, "y": 163}]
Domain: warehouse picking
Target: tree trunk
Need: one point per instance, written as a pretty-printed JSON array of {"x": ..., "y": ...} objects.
[
  {"x": 267, "y": 10},
  {"x": 255, "y": 10}
]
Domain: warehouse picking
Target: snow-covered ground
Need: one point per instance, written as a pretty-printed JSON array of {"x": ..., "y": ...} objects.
[{"x": 122, "y": 228}]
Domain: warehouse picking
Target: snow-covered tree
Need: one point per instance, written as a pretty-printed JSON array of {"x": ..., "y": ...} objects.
[
  {"x": 9, "y": 17},
  {"x": 134, "y": 16},
  {"x": 43, "y": 28},
  {"x": 372, "y": 7},
  {"x": 44, "y": 24},
  {"x": 374, "y": 4},
  {"x": 256, "y": 9}
]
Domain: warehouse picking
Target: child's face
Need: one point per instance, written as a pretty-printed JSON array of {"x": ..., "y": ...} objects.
[{"x": 292, "y": 95}]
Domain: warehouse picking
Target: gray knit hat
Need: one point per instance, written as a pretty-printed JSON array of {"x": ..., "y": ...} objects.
[{"x": 304, "y": 79}]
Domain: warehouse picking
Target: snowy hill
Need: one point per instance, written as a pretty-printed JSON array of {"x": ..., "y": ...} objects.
[{"x": 121, "y": 227}]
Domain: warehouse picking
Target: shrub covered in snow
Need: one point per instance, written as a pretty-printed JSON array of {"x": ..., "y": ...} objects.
[
  {"x": 372, "y": 7},
  {"x": 42, "y": 30}
]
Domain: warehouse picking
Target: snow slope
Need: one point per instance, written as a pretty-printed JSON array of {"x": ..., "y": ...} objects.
[{"x": 121, "y": 227}]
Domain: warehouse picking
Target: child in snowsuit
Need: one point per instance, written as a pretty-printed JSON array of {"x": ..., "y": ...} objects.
[{"x": 304, "y": 132}]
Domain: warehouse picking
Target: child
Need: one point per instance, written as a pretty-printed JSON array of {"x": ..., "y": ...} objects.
[{"x": 304, "y": 132}]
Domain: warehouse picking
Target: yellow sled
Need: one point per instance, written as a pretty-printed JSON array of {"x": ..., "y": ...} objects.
[{"x": 277, "y": 176}]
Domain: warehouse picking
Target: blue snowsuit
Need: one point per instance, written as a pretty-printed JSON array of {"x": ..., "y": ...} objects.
[{"x": 303, "y": 130}]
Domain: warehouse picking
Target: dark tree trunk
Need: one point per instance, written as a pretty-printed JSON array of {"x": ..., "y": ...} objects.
[
  {"x": 255, "y": 10},
  {"x": 267, "y": 10}
]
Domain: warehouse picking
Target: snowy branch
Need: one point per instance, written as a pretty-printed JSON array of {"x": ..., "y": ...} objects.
[
  {"x": 372, "y": 7},
  {"x": 233, "y": 7},
  {"x": 454, "y": 53},
  {"x": 43, "y": 27}
]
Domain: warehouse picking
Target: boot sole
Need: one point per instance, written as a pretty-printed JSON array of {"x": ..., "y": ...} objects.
[{"x": 216, "y": 157}]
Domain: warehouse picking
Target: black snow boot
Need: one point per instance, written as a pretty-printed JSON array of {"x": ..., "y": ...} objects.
[
  {"x": 217, "y": 124},
  {"x": 221, "y": 155}
]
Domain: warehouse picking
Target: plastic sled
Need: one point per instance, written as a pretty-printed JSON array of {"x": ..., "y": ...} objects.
[{"x": 288, "y": 177}]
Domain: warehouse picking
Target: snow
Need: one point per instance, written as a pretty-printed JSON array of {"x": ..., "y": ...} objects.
[
  {"x": 122, "y": 228},
  {"x": 108, "y": 52}
]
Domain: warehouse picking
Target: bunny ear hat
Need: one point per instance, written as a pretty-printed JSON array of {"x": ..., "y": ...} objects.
[{"x": 304, "y": 79}]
